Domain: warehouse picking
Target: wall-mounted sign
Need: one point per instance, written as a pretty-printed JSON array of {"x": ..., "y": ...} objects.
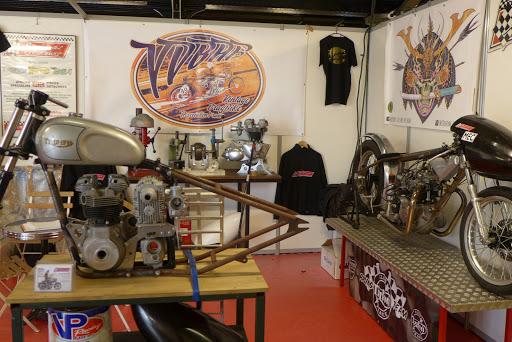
[
  {"x": 197, "y": 79},
  {"x": 187, "y": 76},
  {"x": 38, "y": 61},
  {"x": 432, "y": 64}
]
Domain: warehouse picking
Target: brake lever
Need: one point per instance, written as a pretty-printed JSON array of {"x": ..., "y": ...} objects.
[{"x": 152, "y": 140}]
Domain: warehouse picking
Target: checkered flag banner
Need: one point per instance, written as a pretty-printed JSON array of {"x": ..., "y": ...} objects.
[
  {"x": 396, "y": 294},
  {"x": 399, "y": 298},
  {"x": 501, "y": 33}
]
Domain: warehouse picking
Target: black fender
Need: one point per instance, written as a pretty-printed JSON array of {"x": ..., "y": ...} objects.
[{"x": 179, "y": 322}]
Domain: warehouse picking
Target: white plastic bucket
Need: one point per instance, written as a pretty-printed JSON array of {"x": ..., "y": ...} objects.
[{"x": 80, "y": 324}]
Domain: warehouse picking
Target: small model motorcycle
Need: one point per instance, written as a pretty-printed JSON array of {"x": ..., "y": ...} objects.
[
  {"x": 409, "y": 191},
  {"x": 48, "y": 284}
]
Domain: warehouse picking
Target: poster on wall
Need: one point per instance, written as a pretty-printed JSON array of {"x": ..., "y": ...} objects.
[
  {"x": 41, "y": 62},
  {"x": 432, "y": 64},
  {"x": 194, "y": 78},
  {"x": 501, "y": 34}
]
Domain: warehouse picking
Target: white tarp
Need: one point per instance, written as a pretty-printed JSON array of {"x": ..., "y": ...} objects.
[
  {"x": 195, "y": 72},
  {"x": 432, "y": 64}
]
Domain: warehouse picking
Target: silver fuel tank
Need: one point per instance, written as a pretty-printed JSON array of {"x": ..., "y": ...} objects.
[{"x": 78, "y": 141}]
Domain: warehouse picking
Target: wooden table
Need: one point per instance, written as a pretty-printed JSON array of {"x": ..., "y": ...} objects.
[{"x": 232, "y": 281}]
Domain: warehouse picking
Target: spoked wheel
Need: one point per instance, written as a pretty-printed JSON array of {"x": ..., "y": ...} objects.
[
  {"x": 180, "y": 94},
  {"x": 236, "y": 85},
  {"x": 370, "y": 183},
  {"x": 490, "y": 262}
]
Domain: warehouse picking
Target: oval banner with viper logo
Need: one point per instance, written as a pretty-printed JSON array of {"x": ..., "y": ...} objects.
[{"x": 197, "y": 78}]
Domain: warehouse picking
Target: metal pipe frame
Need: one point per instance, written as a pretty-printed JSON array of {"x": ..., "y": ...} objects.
[{"x": 286, "y": 216}]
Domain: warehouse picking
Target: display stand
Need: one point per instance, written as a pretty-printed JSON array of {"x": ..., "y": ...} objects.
[
  {"x": 429, "y": 264},
  {"x": 231, "y": 281}
]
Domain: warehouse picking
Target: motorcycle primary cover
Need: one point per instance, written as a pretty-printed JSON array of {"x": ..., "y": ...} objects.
[{"x": 404, "y": 312}]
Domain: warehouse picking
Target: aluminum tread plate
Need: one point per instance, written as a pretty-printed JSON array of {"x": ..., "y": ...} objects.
[{"x": 431, "y": 265}]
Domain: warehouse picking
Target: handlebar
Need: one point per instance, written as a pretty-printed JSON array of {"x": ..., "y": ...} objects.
[{"x": 57, "y": 102}]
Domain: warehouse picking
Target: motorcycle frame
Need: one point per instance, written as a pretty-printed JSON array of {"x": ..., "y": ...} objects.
[{"x": 24, "y": 147}]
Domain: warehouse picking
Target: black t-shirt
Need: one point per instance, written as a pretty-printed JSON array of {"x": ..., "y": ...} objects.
[{"x": 337, "y": 55}]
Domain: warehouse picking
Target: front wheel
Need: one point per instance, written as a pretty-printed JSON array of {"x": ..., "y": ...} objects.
[
  {"x": 236, "y": 85},
  {"x": 490, "y": 262},
  {"x": 370, "y": 183}
]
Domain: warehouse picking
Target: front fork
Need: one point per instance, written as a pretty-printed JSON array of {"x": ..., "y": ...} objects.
[{"x": 475, "y": 200}]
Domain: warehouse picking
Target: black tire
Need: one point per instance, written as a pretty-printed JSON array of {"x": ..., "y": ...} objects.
[
  {"x": 370, "y": 184},
  {"x": 42, "y": 286},
  {"x": 57, "y": 286},
  {"x": 490, "y": 263},
  {"x": 177, "y": 96}
]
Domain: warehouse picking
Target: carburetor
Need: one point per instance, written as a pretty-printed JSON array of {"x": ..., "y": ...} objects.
[{"x": 109, "y": 239}]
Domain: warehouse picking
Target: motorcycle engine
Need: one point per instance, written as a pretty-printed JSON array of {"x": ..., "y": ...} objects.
[
  {"x": 425, "y": 183},
  {"x": 109, "y": 238}
]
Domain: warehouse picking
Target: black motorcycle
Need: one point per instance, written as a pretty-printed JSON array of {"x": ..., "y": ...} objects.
[{"x": 409, "y": 192}]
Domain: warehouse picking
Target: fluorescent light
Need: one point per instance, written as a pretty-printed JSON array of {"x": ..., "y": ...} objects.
[{"x": 101, "y": 2}]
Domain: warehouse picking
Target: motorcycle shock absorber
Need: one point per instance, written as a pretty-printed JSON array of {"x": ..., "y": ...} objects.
[{"x": 475, "y": 200}]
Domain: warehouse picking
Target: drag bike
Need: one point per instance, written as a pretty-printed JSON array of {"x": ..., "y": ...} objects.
[
  {"x": 409, "y": 193},
  {"x": 106, "y": 243},
  {"x": 209, "y": 85}
]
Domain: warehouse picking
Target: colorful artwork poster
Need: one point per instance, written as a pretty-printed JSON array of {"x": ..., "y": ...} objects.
[
  {"x": 501, "y": 34},
  {"x": 193, "y": 78},
  {"x": 38, "y": 62},
  {"x": 197, "y": 79},
  {"x": 432, "y": 65}
]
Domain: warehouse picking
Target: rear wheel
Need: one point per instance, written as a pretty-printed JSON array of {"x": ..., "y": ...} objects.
[
  {"x": 180, "y": 94},
  {"x": 370, "y": 183},
  {"x": 490, "y": 262}
]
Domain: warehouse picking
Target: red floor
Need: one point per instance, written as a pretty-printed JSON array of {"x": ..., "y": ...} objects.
[{"x": 304, "y": 304}]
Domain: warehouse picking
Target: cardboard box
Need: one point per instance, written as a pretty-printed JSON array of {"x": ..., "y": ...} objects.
[{"x": 331, "y": 257}]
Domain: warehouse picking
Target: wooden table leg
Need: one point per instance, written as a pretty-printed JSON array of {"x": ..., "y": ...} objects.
[
  {"x": 443, "y": 316},
  {"x": 508, "y": 326},
  {"x": 342, "y": 260},
  {"x": 17, "y": 323},
  {"x": 259, "y": 333}
]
